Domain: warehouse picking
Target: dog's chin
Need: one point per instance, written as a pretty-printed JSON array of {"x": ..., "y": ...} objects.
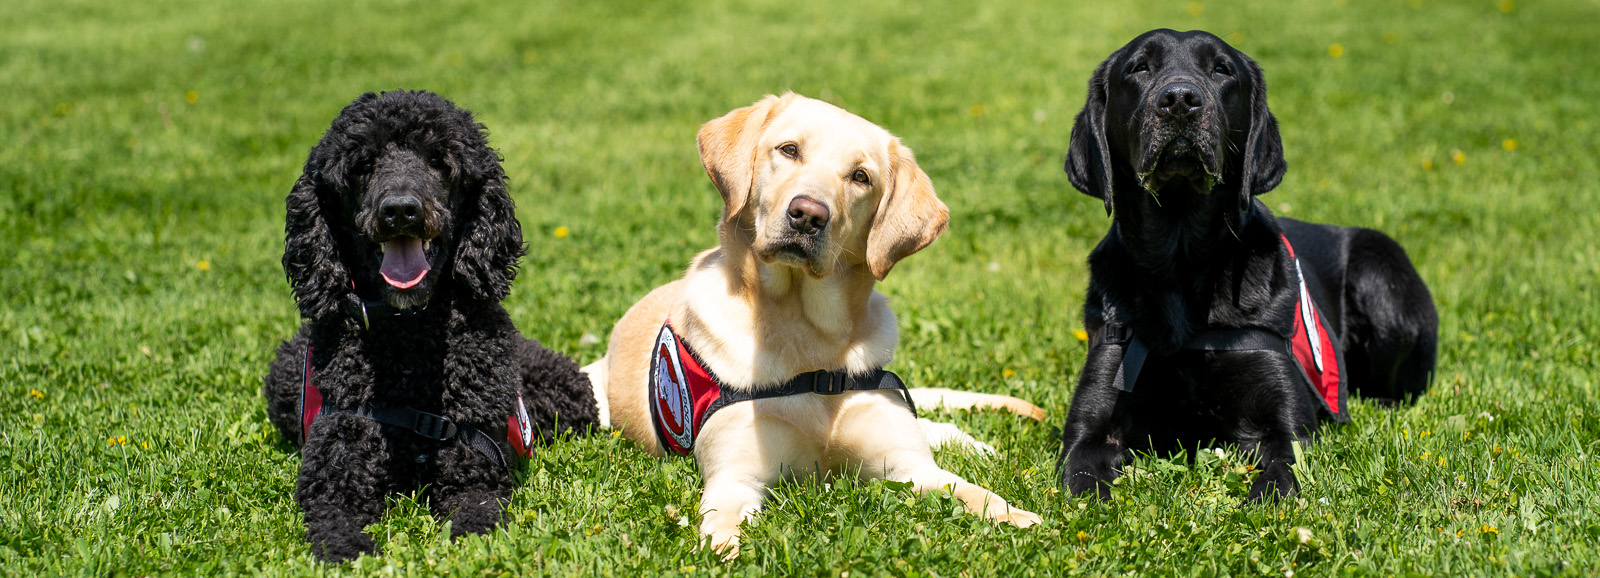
[
  {"x": 415, "y": 297},
  {"x": 794, "y": 253},
  {"x": 1179, "y": 160}
]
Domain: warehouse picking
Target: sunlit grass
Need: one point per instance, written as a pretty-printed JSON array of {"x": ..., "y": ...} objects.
[{"x": 148, "y": 147}]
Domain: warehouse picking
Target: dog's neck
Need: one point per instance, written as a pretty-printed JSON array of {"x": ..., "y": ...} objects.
[
  {"x": 759, "y": 324},
  {"x": 1178, "y": 243}
]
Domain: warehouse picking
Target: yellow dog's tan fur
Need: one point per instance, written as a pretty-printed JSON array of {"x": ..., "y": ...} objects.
[{"x": 759, "y": 315}]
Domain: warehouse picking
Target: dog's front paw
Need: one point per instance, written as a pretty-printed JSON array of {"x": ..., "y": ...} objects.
[
  {"x": 1274, "y": 483},
  {"x": 725, "y": 543},
  {"x": 1080, "y": 476},
  {"x": 1015, "y": 516},
  {"x": 341, "y": 549}
]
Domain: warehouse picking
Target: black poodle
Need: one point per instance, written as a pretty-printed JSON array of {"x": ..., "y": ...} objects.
[{"x": 401, "y": 242}]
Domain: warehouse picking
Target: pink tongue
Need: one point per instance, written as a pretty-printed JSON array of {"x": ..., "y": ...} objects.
[{"x": 404, "y": 265}]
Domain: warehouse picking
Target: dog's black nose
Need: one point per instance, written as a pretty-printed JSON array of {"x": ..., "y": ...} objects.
[
  {"x": 400, "y": 212},
  {"x": 1179, "y": 99},
  {"x": 807, "y": 216}
]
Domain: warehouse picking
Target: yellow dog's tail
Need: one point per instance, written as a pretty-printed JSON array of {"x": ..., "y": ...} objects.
[{"x": 937, "y": 397}]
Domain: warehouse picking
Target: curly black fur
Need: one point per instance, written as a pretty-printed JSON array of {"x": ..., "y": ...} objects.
[{"x": 452, "y": 351}]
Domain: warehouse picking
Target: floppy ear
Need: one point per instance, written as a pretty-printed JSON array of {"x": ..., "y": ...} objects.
[
  {"x": 727, "y": 150},
  {"x": 1264, "y": 165},
  {"x": 491, "y": 238},
  {"x": 909, "y": 215},
  {"x": 310, "y": 253},
  {"x": 1088, "y": 158}
]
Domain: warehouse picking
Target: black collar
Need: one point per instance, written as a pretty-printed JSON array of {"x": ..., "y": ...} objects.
[{"x": 364, "y": 311}]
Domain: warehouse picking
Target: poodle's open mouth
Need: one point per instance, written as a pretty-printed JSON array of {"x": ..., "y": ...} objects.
[{"x": 405, "y": 261}]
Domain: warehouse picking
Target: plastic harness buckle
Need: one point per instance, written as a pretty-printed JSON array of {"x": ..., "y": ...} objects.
[
  {"x": 434, "y": 427},
  {"x": 835, "y": 384}
]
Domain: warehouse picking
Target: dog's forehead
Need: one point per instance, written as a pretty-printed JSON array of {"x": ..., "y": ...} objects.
[
  {"x": 823, "y": 127},
  {"x": 1164, "y": 42}
]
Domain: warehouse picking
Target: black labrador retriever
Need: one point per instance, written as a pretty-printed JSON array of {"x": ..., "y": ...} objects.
[{"x": 1212, "y": 320}]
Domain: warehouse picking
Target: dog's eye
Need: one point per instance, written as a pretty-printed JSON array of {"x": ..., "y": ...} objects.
[
  {"x": 436, "y": 162},
  {"x": 363, "y": 168},
  {"x": 1141, "y": 66},
  {"x": 1222, "y": 69},
  {"x": 790, "y": 150},
  {"x": 860, "y": 176}
]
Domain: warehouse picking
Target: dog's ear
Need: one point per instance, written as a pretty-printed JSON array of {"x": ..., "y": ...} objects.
[
  {"x": 1088, "y": 158},
  {"x": 727, "y": 150},
  {"x": 909, "y": 215},
  {"x": 1264, "y": 165},
  {"x": 491, "y": 238},
  {"x": 310, "y": 253}
]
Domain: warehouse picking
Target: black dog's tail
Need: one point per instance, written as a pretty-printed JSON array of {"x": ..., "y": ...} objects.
[{"x": 1393, "y": 326}]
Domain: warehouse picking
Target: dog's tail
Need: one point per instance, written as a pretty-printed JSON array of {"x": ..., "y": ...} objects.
[
  {"x": 935, "y": 397},
  {"x": 599, "y": 373}
]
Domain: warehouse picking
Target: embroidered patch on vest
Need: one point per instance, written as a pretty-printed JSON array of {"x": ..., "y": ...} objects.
[{"x": 669, "y": 393}]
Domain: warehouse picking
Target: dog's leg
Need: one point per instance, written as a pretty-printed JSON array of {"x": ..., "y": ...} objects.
[
  {"x": 599, "y": 375},
  {"x": 887, "y": 441},
  {"x": 1092, "y": 444},
  {"x": 343, "y": 477},
  {"x": 941, "y": 434},
  {"x": 740, "y": 455},
  {"x": 468, "y": 490},
  {"x": 1393, "y": 327},
  {"x": 1275, "y": 416}
]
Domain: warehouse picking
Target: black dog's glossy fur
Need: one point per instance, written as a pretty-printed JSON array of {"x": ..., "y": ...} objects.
[
  {"x": 1176, "y": 138},
  {"x": 453, "y": 352}
]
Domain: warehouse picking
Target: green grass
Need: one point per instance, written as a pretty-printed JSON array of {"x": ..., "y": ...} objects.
[{"x": 148, "y": 148}]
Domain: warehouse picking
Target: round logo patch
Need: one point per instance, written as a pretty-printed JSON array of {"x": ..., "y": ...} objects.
[{"x": 669, "y": 389}]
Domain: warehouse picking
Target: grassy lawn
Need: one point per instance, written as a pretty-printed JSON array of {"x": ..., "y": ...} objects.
[{"x": 148, "y": 147}]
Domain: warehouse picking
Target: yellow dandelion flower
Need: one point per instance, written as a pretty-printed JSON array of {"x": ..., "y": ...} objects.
[
  {"x": 191, "y": 97},
  {"x": 204, "y": 265},
  {"x": 562, "y": 232},
  {"x": 1196, "y": 8},
  {"x": 976, "y": 110},
  {"x": 1507, "y": 6},
  {"x": 1080, "y": 334},
  {"x": 1083, "y": 536},
  {"x": 1487, "y": 529},
  {"x": 1441, "y": 461},
  {"x": 1497, "y": 450},
  {"x": 1427, "y": 164},
  {"x": 1336, "y": 50},
  {"x": 1509, "y": 144},
  {"x": 36, "y": 394},
  {"x": 1458, "y": 157},
  {"x": 1007, "y": 373},
  {"x": 145, "y": 445}
]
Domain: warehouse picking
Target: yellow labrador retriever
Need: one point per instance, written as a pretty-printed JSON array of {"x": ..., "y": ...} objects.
[{"x": 765, "y": 360}]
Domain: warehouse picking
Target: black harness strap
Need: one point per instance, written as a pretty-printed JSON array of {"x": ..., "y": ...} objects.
[
  {"x": 1134, "y": 351},
  {"x": 821, "y": 382},
  {"x": 427, "y": 425}
]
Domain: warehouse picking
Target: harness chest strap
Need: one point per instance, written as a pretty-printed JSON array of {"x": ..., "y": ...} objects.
[
  {"x": 1307, "y": 346},
  {"x": 684, "y": 393},
  {"x": 519, "y": 431}
]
